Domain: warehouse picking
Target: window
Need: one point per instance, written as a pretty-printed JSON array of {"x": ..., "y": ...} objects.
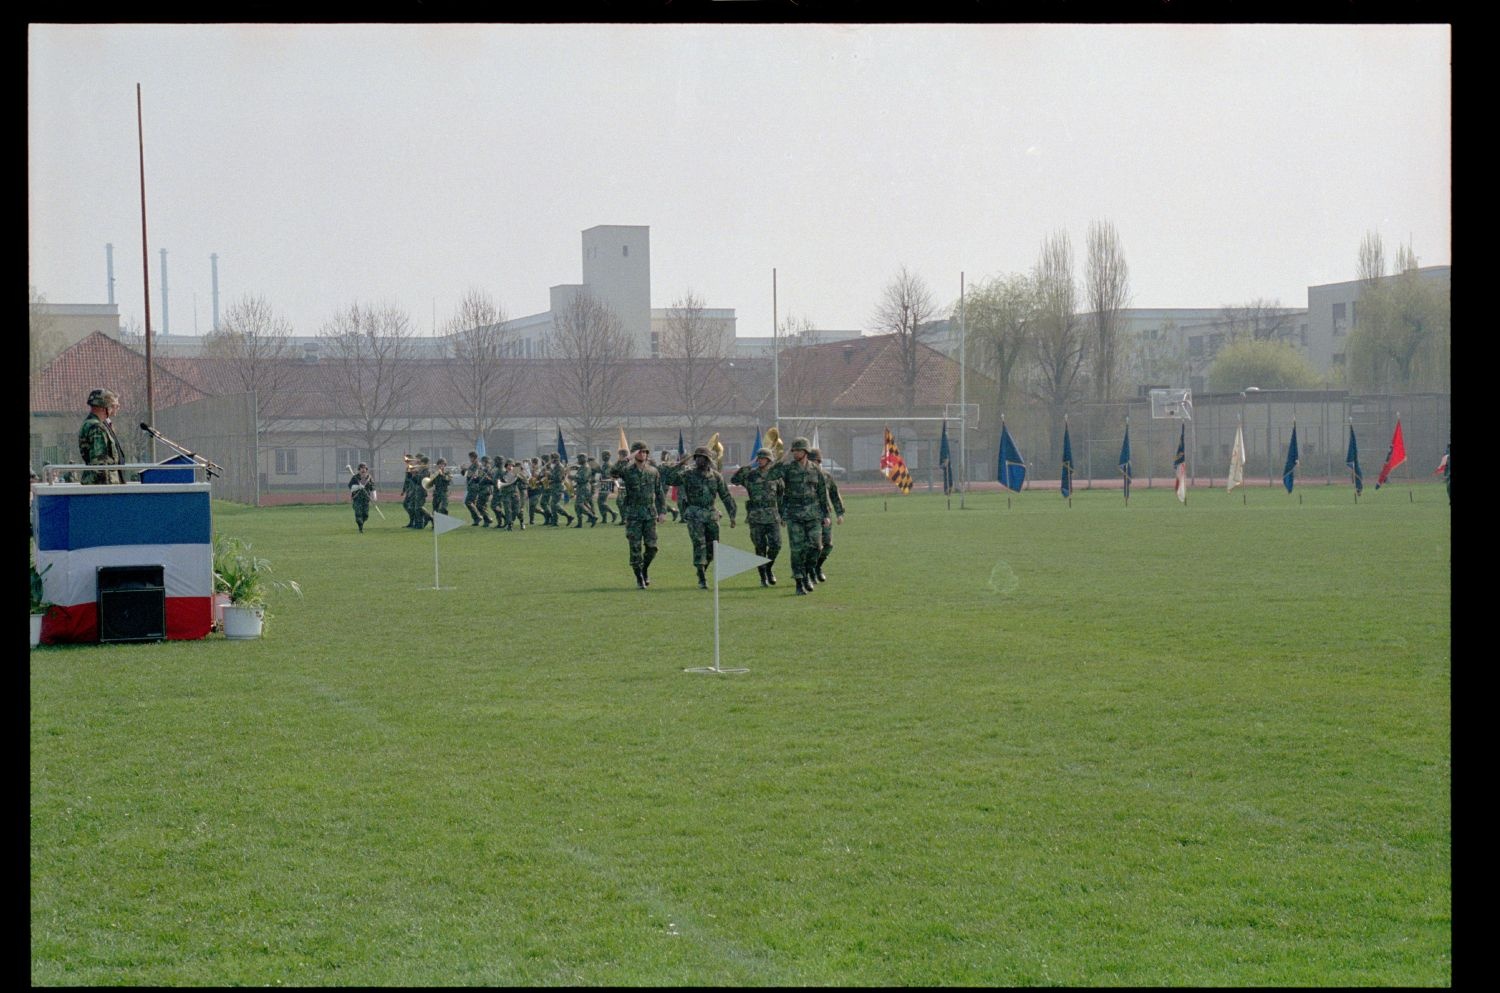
[
  {"x": 286, "y": 462},
  {"x": 1339, "y": 319},
  {"x": 1338, "y": 358},
  {"x": 655, "y": 345},
  {"x": 1354, "y": 313},
  {"x": 625, "y": 251},
  {"x": 442, "y": 452},
  {"x": 1195, "y": 345}
]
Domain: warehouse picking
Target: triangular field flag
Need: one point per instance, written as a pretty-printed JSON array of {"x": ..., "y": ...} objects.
[
  {"x": 1289, "y": 471},
  {"x": 1394, "y": 457},
  {"x": 893, "y": 465},
  {"x": 1067, "y": 463},
  {"x": 479, "y": 447},
  {"x": 1351, "y": 459},
  {"x": 1237, "y": 459},
  {"x": 945, "y": 459},
  {"x": 1179, "y": 466},
  {"x": 731, "y": 561},
  {"x": 1012, "y": 468},
  {"x": 562, "y": 450},
  {"x": 1125, "y": 462},
  {"x": 815, "y": 439},
  {"x": 443, "y": 523},
  {"x": 624, "y": 445}
]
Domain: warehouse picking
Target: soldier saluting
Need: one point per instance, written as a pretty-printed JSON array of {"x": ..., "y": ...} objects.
[
  {"x": 807, "y": 511},
  {"x": 698, "y": 485},
  {"x": 643, "y": 505},
  {"x": 760, "y": 511}
]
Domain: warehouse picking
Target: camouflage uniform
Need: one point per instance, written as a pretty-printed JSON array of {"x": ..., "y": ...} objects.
[
  {"x": 697, "y": 488},
  {"x": 583, "y": 494},
  {"x": 510, "y": 497},
  {"x": 761, "y": 512},
  {"x": 486, "y": 489},
  {"x": 98, "y": 445},
  {"x": 605, "y": 486},
  {"x": 360, "y": 490},
  {"x": 440, "y": 483},
  {"x": 472, "y": 488},
  {"x": 816, "y": 457},
  {"x": 534, "y": 485},
  {"x": 411, "y": 495},
  {"x": 642, "y": 501},
  {"x": 806, "y": 506}
]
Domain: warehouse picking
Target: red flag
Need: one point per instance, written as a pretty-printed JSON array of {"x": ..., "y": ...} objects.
[
  {"x": 1441, "y": 466},
  {"x": 1394, "y": 457},
  {"x": 893, "y": 465}
]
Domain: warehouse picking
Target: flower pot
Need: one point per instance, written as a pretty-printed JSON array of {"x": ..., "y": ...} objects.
[
  {"x": 36, "y": 629},
  {"x": 243, "y": 622}
]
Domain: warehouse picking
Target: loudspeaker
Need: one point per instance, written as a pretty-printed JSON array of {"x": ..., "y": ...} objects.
[{"x": 132, "y": 603}]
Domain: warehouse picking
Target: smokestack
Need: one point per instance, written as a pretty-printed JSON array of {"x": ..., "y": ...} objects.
[
  {"x": 109, "y": 270},
  {"x": 213, "y": 263},
  {"x": 164, "y": 325}
]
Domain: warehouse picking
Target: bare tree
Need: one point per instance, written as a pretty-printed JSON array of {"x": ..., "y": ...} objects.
[
  {"x": 46, "y": 342},
  {"x": 1059, "y": 339},
  {"x": 906, "y": 311},
  {"x": 483, "y": 375},
  {"x": 1402, "y": 338},
  {"x": 999, "y": 318},
  {"x": 696, "y": 349},
  {"x": 1371, "y": 258},
  {"x": 252, "y": 351},
  {"x": 797, "y": 368},
  {"x": 370, "y": 355},
  {"x": 588, "y": 383},
  {"x": 1107, "y": 286},
  {"x": 1258, "y": 320}
]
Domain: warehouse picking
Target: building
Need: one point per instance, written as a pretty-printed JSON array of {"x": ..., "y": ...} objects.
[{"x": 1333, "y": 311}]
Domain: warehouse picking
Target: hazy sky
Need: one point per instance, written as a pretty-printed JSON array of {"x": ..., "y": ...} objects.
[{"x": 327, "y": 164}]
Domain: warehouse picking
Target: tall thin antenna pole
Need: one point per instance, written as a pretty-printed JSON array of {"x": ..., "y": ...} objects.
[
  {"x": 145, "y": 272},
  {"x": 963, "y": 396},
  {"x": 775, "y": 356}
]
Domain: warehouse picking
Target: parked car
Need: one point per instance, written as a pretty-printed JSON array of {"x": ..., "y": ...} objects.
[{"x": 835, "y": 470}]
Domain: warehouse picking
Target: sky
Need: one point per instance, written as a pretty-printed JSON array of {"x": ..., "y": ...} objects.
[{"x": 410, "y": 164}]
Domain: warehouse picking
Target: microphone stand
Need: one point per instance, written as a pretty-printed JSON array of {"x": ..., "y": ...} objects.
[{"x": 208, "y": 467}]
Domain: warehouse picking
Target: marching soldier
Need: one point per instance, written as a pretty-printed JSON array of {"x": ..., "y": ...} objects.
[
  {"x": 440, "y": 483},
  {"x": 555, "y": 490},
  {"x": 583, "y": 494},
  {"x": 510, "y": 496},
  {"x": 806, "y": 511},
  {"x": 643, "y": 505},
  {"x": 361, "y": 489},
  {"x": 472, "y": 488},
  {"x": 497, "y": 495},
  {"x": 761, "y": 511},
  {"x": 698, "y": 485},
  {"x": 604, "y": 485},
  {"x": 536, "y": 484},
  {"x": 816, "y": 457},
  {"x": 411, "y": 491},
  {"x": 486, "y": 488}
]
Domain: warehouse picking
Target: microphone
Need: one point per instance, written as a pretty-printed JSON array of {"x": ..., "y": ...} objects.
[{"x": 146, "y": 428}]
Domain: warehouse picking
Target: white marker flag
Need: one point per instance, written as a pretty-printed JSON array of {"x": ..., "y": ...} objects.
[
  {"x": 731, "y": 561},
  {"x": 443, "y": 523}
]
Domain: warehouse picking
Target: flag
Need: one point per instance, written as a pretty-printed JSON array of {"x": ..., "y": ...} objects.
[
  {"x": 624, "y": 445},
  {"x": 815, "y": 439},
  {"x": 681, "y": 448},
  {"x": 1067, "y": 463},
  {"x": 893, "y": 465},
  {"x": 1442, "y": 465},
  {"x": 755, "y": 447},
  {"x": 1012, "y": 469},
  {"x": 945, "y": 459},
  {"x": 443, "y": 523},
  {"x": 1179, "y": 466},
  {"x": 1394, "y": 457},
  {"x": 1125, "y": 461},
  {"x": 562, "y": 450},
  {"x": 731, "y": 561},
  {"x": 479, "y": 447},
  {"x": 1237, "y": 459},
  {"x": 1352, "y": 461},
  {"x": 1289, "y": 471}
]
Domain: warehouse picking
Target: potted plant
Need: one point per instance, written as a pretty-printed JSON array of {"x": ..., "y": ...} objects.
[
  {"x": 39, "y": 604},
  {"x": 245, "y": 578}
]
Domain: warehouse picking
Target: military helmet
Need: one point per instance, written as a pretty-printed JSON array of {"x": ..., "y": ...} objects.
[
  {"x": 764, "y": 453},
  {"x": 816, "y": 454},
  {"x": 703, "y": 452},
  {"x": 640, "y": 446},
  {"x": 582, "y": 458},
  {"x": 801, "y": 444},
  {"x": 102, "y": 398}
]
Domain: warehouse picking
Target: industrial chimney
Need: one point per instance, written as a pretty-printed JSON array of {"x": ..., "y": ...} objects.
[
  {"x": 213, "y": 263},
  {"x": 109, "y": 270}
]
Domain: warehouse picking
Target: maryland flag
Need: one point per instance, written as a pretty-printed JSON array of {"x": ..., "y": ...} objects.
[{"x": 893, "y": 465}]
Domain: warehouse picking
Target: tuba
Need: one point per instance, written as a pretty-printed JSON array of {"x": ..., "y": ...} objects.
[
  {"x": 716, "y": 449},
  {"x": 774, "y": 443}
]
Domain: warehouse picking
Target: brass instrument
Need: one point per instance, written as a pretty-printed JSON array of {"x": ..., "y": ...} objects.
[
  {"x": 774, "y": 443},
  {"x": 716, "y": 449}
]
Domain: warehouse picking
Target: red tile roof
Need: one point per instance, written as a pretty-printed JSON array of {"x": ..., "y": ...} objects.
[{"x": 101, "y": 361}]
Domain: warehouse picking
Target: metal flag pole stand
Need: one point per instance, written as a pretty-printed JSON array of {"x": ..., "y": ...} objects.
[{"x": 728, "y": 561}]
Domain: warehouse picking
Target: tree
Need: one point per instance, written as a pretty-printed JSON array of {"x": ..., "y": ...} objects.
[
  {"x": 1059, "y": 340},
  {"x": 906, "y": 311},
  {"x": 588, "y": 383},
  {"x": 796, "y": 366},
  {"x": 46, "y": 340},
  {"x": 999, "y": 319},
  {"x": 252, "y": 351},
  {"x": 696, "y": 349},
  {"x": 483, "y": 375},
  {"x": 1269, "y": 365},
  {"x": 1258, "y": 320},
  {"x": 1401, "y": 338},
  {"x": 1107, "y": 288},
  {"x": 370, "y": 355}
]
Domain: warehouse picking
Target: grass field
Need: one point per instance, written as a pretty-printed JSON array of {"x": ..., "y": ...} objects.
[{"x": 1024, "y": 744}]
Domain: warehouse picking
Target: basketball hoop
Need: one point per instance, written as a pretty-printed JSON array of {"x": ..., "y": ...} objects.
[{"x": 1172, "y": 405}]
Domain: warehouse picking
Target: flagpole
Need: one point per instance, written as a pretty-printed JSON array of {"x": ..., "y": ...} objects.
[
  {"x": 436, "y": 583},
  {"x": 775, "y": 357},
  {"x": 963, "y": 396},
  {"x": 1346, "y": 465}
]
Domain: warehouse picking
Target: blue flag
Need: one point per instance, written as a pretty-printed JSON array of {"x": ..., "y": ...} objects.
[
  {"x": 1125, "y": 461},
  {"x": 945, "y": 459},
  {"x": 681, "y": 448},
  {"x": 1067, "y": 463},
  {"x": 1011, "y": 469},
  {"x": 1352, "y": 461},
  {"x": 562, "y": 450},
  {"x": 479, "y": 447},
  {"x": 755, "y": 447},
  {"x": 1290, "y": 469}
]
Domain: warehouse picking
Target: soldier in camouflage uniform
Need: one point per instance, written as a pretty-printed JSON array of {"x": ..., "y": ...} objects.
[
  {"x": 497, "y": 495},
  {"x": 97, "y": 443},
  {"x": 697, "y": 485},
  {"x": 643, "y": 504},
  {"x": 806, "y": 511},
  {"x": 510, "y": 496},
  {"x": 486, "y": 488},
  {"x": 816, "y": 457},
  {"x": 440, "y": 483},
  {"x": 603, "y": 485},
  {"x": 472, "y": 488},
  {"x": 534, "y": 485},
  {"x": 411, "y": 492},
  {"x": 583, "y": 492},
  {"x": 761, "y": 511},
  {"x": 361, "y": 488}
]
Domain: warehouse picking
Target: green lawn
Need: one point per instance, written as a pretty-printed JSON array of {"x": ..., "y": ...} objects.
[{"x": 1020, "y": 743}]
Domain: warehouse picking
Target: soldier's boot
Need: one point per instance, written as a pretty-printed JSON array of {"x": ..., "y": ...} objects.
[
  {"x": 762, "y": 570},
  {"x": 640, "y": 577},
  {"x": 801, "y": 586},
  {"x": 771, "y": 576},
  {"x": 564, "y": 513},
  {"x": 702, "y": 580},
  {"x": 361, "y": 526},
  {"x": 646, "y": 565}
]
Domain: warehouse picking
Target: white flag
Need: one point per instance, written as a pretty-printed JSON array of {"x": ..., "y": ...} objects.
[
  {"x": 730, "y": 561},
  {"x": 443, "y": 523},
  {"x": 1237, "y": 459}
]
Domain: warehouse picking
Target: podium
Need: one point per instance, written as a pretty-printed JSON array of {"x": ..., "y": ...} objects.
[{"x": 88, "y": 534}]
